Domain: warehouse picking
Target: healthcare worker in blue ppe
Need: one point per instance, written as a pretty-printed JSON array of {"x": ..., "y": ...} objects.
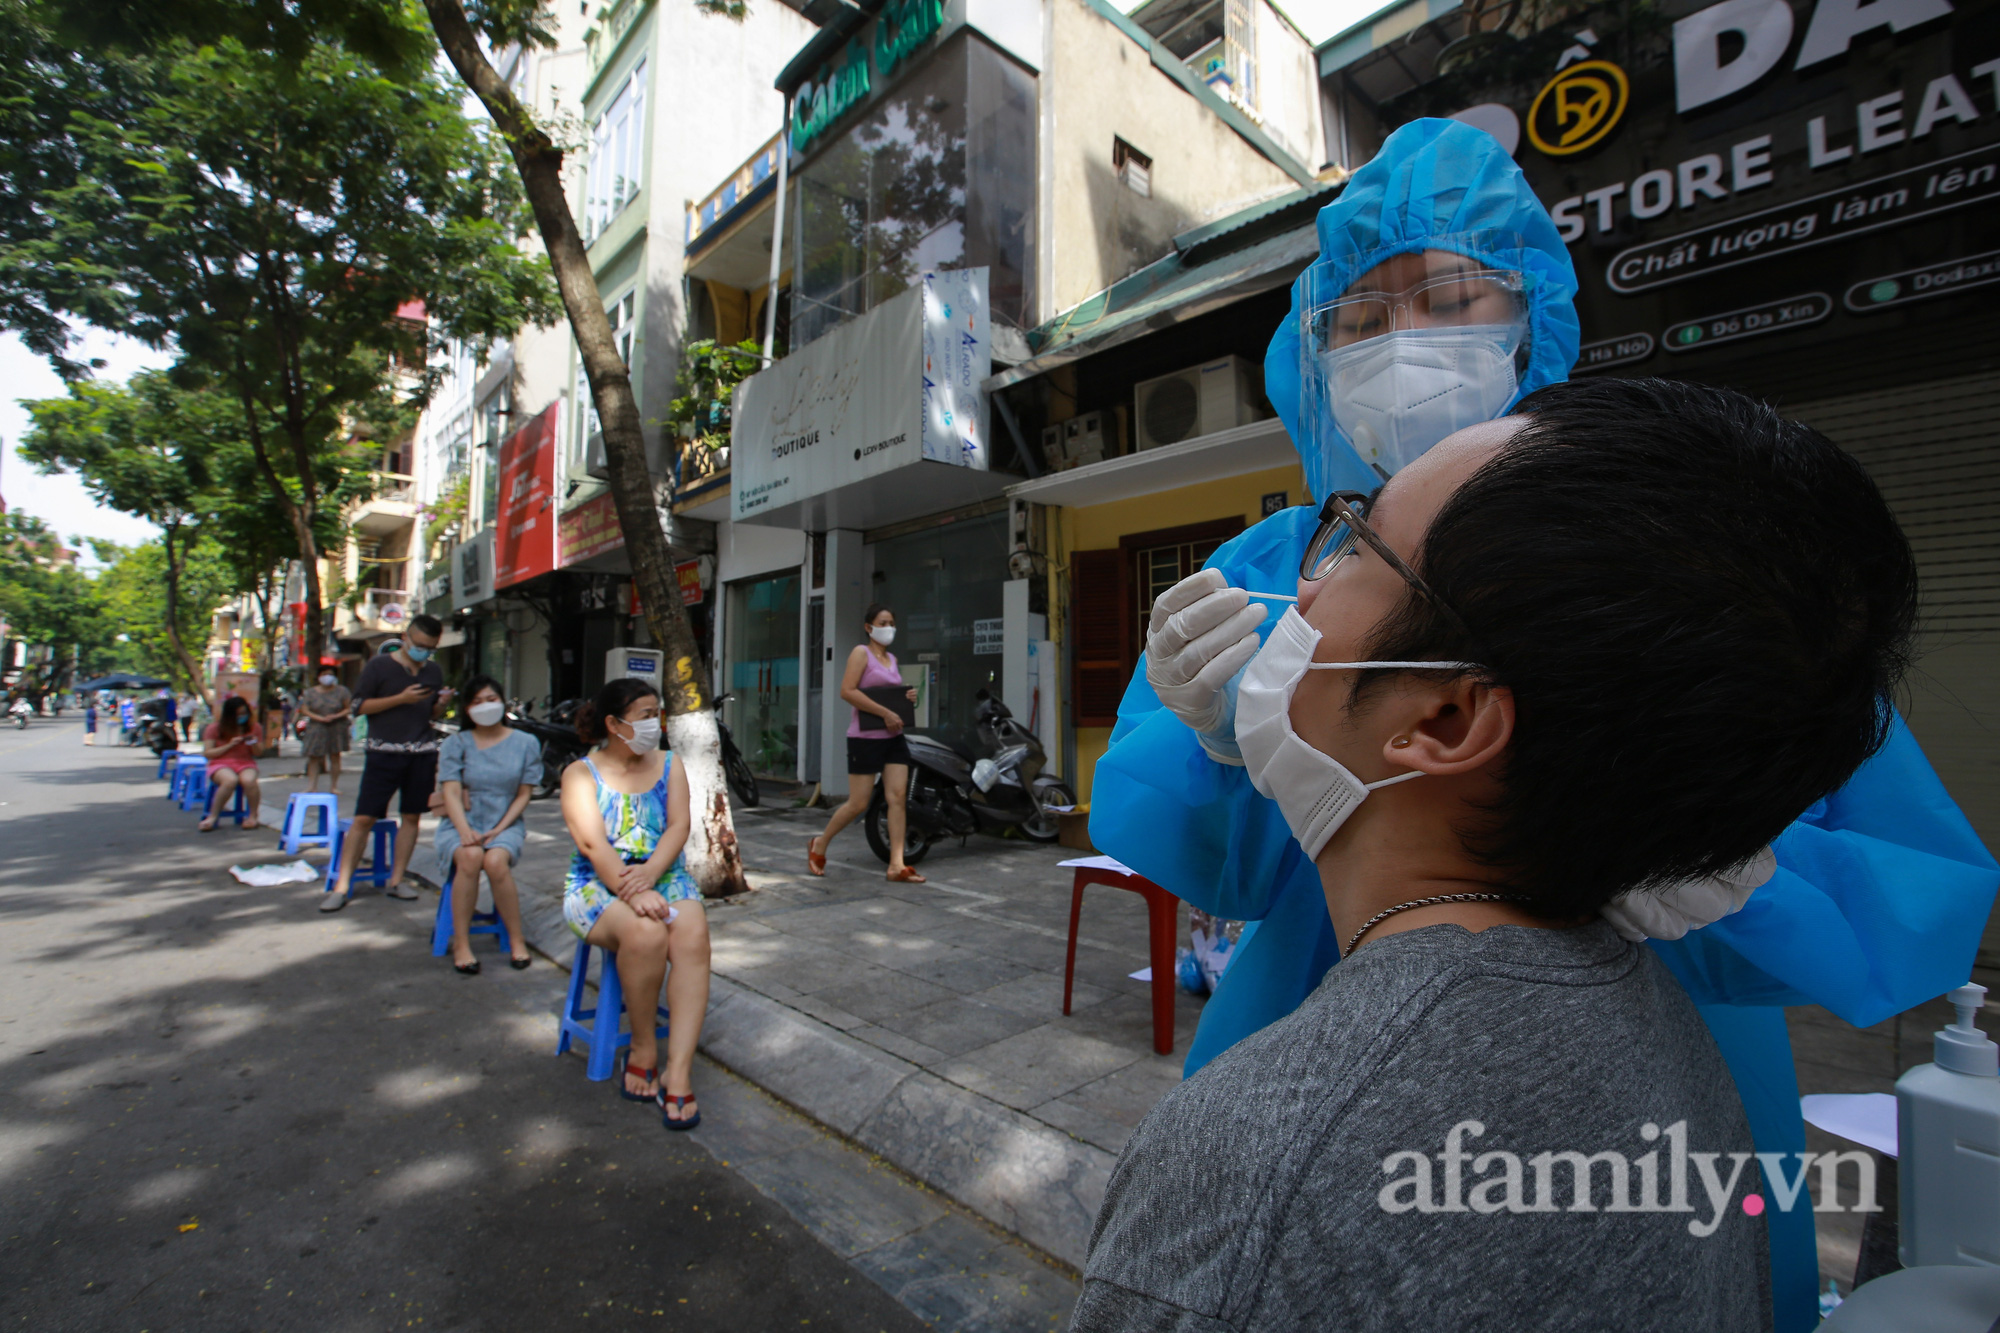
[{"x": 1442, "y": 295}]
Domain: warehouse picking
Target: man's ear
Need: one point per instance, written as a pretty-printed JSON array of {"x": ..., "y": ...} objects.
[{"x": 1458, "y": 727}]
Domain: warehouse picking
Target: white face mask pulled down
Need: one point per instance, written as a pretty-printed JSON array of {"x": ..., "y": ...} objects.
[
  {"x": 1315, "y": 792},
  {"x": 645, "y": 737},
  {"x": 1397, "y": 394}
]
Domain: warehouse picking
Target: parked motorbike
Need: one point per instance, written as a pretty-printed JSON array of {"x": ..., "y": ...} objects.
[
  {"x": 561, "y": 746},
  {"x": 735, "y": 770},
  {"x": 955, "y": 793},
  {"x": 154, "y": 730},
  {"x": 21, "y": 712}
]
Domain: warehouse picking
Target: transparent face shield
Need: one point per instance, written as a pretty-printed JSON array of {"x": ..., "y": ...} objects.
[{"x": 1419, "y": 346}]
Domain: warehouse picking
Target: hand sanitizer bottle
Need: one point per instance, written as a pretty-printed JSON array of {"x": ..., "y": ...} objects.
[{"x": 1948, "y": 1137}]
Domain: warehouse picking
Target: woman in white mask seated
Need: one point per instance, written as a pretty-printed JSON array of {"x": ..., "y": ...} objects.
[
  {"x": 1613, "y": 644},
  {"x": 487, "y": 773},
  {"x": 629, "y": 890}
]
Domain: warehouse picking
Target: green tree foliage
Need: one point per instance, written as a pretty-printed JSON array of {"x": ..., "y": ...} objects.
[
  {"x": 177, "y": 457},
  {"x": 276, "y": 214},
  {"x": 49, "y": 604},
  {"x": 131, "y": 592}
]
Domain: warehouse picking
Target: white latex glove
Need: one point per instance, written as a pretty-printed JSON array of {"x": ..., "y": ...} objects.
[
  {"x": 1202, "y": 633},
  {"x": 1668, "y": 914}
]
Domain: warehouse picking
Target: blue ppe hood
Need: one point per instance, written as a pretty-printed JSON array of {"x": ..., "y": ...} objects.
[{"x": 1433, "y": 181}]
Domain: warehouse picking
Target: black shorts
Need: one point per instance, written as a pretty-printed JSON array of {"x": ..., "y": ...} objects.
[
  {"x": 386, "y": 772},
  {"x": 867, "y": 754}
]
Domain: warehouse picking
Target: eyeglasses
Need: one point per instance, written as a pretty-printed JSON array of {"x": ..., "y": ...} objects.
[{"x": 1343, "y": 526}]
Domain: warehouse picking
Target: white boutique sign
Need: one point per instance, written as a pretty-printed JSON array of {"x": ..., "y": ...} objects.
[{"x": 895, "y": 387}]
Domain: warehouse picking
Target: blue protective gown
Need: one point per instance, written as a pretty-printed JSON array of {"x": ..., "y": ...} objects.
[{"x": 1882, "y": 889}]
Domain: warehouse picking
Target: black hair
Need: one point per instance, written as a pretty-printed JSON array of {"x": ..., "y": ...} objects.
[
  {"x": 427, "y": 624},
  {"x": 618, "y": 694},
  {"x": 874, "y": 609},
  {"x": 233, "y": 708},
  {"x": 473, "y": 685},
  {"x": 1702, "y": 610}
]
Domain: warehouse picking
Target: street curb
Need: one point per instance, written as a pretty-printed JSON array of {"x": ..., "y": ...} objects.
[{"x": 1016, "y": 1172}]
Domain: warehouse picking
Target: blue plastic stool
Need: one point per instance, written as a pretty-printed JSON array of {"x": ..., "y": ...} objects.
[
  {"x": 590, "y": 1025},
  {"x": 191, "y": 778},
  {"x": 173, "y": 774},
  {"x": 298, "y": 814},
  {"x": 380, "y": 864},
  {"x": 483, "y": 923},
  {"x": 239, "y": 806},
  {"x": 167, "y": 758}
]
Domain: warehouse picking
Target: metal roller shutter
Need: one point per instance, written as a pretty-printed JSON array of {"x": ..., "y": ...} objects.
[{"x": 1932, "y": 448}]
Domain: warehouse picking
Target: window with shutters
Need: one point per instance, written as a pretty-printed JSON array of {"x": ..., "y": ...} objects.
[
  {"x": 1097, "y": 598},
  {"x": 1112, "y": 595}
]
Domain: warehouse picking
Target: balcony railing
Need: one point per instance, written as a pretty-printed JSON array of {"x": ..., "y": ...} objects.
[
  {"x": 395, "y": 488},
  {"x": 703, "y": 214}
]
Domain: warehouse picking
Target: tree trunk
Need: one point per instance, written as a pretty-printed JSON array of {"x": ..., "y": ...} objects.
[
  {"x": 713, "y": 855},
  {"x": 300, "y": 516},
  {"x": 175, "y": 564}
]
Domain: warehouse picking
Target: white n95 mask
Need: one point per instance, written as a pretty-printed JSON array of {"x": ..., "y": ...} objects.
[
  {"x": 1315, "y": 792},
  {"x": 487, "y": 714},
  {"x": 1397, "y": 394}
]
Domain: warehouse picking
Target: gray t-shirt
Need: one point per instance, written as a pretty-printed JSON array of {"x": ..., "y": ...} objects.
[{"x": 1310, "y": 1177}]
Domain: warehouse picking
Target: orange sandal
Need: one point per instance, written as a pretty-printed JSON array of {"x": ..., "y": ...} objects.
[
  {"x": 907, "y": 875},
  {"x": 815, "y": 861}
]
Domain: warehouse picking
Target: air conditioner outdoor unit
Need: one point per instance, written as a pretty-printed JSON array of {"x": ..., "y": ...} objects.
[{"x": 1201, "y": 400}]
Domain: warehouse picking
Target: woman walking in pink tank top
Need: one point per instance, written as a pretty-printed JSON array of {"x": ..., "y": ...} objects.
[{"x": 875, "y": 744}]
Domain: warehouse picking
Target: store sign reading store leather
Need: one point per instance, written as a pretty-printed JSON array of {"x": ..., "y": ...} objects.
[{"x": 1762, "y": 170}]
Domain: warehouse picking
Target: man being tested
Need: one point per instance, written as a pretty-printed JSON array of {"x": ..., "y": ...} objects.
[{"x": 1476, "y": 770}]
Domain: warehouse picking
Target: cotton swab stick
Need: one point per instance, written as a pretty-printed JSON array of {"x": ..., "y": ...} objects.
[{"x": 1274, "y": 597}]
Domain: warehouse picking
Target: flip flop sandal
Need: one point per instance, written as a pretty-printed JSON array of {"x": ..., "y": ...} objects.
[
  {"x": 680, "y": 1104},
  {"x": 815, "y": 861},
  {"x": 470, "y": 969},
  {"x": 907, "y": 875},
  {"x": 520, "y": 964},
  {"x": 626, "y": 1067}
]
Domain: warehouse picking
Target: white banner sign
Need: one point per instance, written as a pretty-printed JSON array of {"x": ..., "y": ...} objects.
[{"x": 895, "y": 387}]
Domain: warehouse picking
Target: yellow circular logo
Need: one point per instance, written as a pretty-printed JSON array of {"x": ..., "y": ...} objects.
[{"x": 1578, "y": 107}]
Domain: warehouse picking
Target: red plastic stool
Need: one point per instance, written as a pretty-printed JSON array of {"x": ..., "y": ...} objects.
[{"x": 1162, "y": 926}]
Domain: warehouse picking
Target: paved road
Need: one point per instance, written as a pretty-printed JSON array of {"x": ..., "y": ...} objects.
[{"x": 219, "y": 1110}]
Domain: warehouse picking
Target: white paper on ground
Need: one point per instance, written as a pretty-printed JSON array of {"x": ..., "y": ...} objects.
[
  {"x": 1098, "y": 863},
  {"x": 1143, "y": 974},
  {"x": 1866, "y": 1118},
  {"x": 263, "y": 877}
]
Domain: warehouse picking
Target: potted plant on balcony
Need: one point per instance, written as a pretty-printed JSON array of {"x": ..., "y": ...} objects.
[{"x": 699, "y": 414}]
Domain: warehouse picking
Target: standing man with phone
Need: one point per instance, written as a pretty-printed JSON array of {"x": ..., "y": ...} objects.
[{"x": 399, "y": 693}]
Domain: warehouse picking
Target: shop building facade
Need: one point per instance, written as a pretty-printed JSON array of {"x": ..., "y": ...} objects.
[{"x": 950, "y": 176}]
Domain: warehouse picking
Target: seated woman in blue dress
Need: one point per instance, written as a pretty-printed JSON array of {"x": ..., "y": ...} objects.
[
  {"x": 486, "y": 774},
  {"x": 629, "y": 891}
]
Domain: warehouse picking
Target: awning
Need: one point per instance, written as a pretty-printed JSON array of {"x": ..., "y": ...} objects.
[
  {"x": 1212, "y": 266},
  {"x": 1227, "y": 453}
]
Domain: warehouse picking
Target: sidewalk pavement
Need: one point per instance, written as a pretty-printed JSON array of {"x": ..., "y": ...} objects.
[{"x": 924, "y": 1021}]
